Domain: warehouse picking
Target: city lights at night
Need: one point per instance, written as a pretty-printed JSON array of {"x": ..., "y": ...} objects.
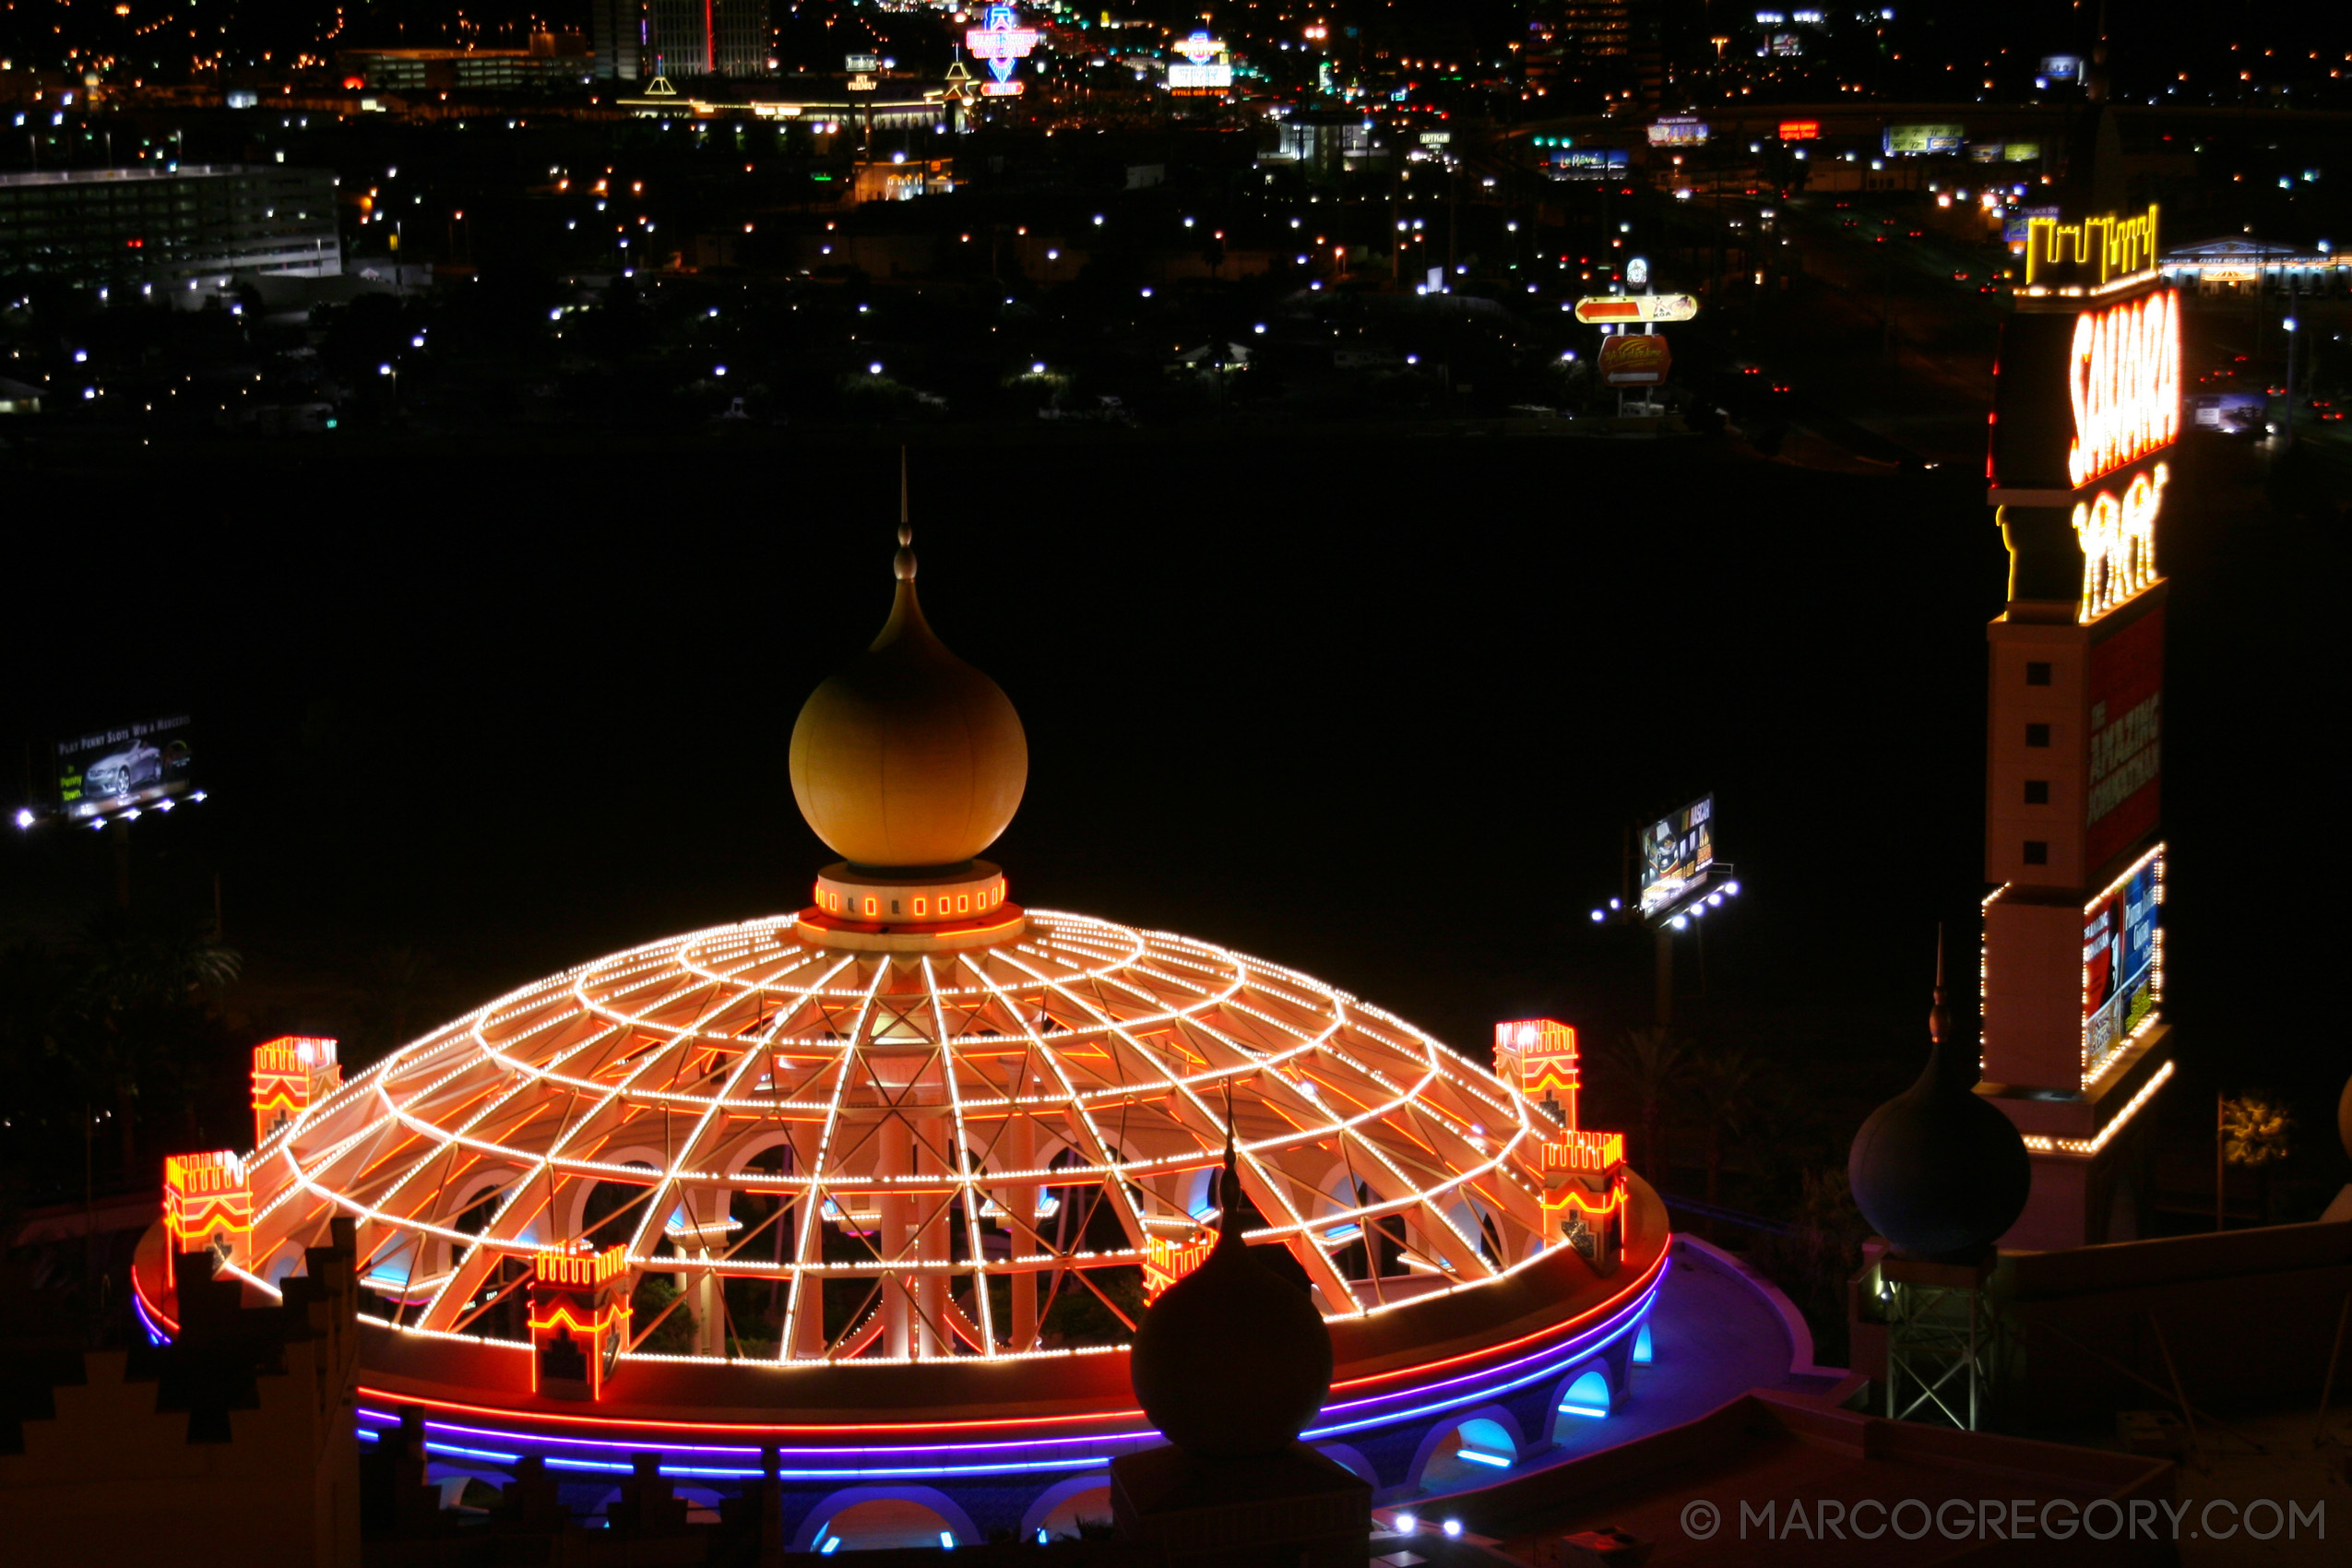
[{"x": 1328, "y": 784}]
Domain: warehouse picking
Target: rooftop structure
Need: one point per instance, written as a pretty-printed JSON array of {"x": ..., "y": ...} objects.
[{"x": 191, "y": 224}]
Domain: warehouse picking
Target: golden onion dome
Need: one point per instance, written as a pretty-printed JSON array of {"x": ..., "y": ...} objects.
[{"x": 910, "y": 756}]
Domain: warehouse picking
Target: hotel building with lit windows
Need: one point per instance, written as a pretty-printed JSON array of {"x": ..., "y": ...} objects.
[{"x": 168, "y": 225}]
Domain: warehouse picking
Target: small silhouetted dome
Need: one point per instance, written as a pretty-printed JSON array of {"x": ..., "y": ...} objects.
[
  {"x": 1939, "y": 1170},
  {"x": 2343, "y": 1117},
  {"x": 1234, "y": 1360},
  {"x": 910, "y": 756}
]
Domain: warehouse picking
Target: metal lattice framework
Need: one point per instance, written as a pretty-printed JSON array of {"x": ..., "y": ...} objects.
[{"x": 877, "y": 1137}]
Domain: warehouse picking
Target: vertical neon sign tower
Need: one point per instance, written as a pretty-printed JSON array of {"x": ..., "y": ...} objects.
[{"x": 2086, "y": 405}]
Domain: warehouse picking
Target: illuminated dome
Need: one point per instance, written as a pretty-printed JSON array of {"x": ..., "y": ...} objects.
[
  {"x": 878, "y": 1191},
  {"x": 741, "y": 1104},
  {"x": 910, "y": 756}
]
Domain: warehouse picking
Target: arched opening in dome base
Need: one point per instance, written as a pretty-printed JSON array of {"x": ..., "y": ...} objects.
[
  {"x": 1471, "y": 1452},
  {"x": 1069, "y": 1510},
  {"x": 1588, "y": 1396},
  {"x": 870, "y": 1518}
]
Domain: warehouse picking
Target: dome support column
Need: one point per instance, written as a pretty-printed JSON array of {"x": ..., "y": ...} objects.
[
  {"x": 1020, "y": 1209},
  {"x": 895, "y": 1158},
  {"x": 931, "y": 1336},
  {"x": 804, "y": 1310}
]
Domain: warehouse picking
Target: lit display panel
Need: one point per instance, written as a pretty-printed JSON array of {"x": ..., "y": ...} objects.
[
  {"x": 1676, "y": 852},
  {"x": 2122, "y": 961},
  {"x": 137, "y": 766}
]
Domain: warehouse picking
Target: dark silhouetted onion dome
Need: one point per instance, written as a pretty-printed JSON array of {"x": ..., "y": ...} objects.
[
  {"x": 2343, "y": 1117},
  {"x": 909, "y": 757},
  {"x": 1938, "y": 1171},
  {"x": 1234, "y": 1360}
]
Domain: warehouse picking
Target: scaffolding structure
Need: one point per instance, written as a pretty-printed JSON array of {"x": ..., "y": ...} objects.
[{"x": 1942, "y": 1337}]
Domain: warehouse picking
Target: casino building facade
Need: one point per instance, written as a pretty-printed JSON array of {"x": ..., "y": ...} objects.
[{"x": 869, "y": 1196}]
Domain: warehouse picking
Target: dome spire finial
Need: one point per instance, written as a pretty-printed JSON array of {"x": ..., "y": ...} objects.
[
  {"x": 1939, "y": 1021},
  {"x": 902, "y": 566}
]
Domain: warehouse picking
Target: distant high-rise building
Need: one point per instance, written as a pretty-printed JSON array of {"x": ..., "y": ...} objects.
[
  {"x": 621, "y": 31},
  {"x": 1586, "y": 52},
  {"x": 194, "y": 223},
  {"x": 636, "y": 40},
  {"x": 740, "y": 37},
  {"x": 707, "y": 38}
]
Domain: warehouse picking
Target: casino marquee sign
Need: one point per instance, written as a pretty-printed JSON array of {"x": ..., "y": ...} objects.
[{"x": 2086, "y": 404}]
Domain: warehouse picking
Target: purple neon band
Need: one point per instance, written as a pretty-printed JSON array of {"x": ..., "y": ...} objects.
[{"x": 1483, "y": 1384}]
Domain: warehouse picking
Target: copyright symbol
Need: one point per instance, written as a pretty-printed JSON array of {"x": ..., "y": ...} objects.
[{"x": 1701, "y": 1518}]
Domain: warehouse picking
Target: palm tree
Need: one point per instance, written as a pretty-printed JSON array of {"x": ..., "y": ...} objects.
[
  {"x": 1648, "y": 1065},
  {"x": 2258, "y": 1133},
  {"x": 1723, "y": 1080},
  {"x": 141, "y": 1007}
]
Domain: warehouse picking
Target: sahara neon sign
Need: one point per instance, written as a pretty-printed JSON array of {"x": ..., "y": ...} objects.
[
  {"x": 2118, "y": 536},
  {"x": 2123, "y": 378},
  {"x": 2107, "y": 247}
]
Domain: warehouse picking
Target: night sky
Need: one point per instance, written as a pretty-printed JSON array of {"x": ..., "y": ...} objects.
[{"x": 1377, "y": 707}]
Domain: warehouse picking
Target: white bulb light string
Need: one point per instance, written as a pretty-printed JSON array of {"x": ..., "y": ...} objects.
[{"x": 668, "y": 1067}]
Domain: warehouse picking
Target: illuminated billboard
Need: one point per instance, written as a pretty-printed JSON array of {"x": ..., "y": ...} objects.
[
  {"x": 2122, "y": 959},
  {"x": 1915, "y": 140},
  {"x": 2122, "y": 798},
  {"x": 2231, "y": 413},
  {"x": 1000, "y": 41},
  {"x": 1595, "y": 310},
  {"x": 1209, "y": 71},
  {"x": 1800, "y": 130},
  {"x": 112, "y": 772},
  {"x": 1587, "y": 162},
  {"x": 2018, "y": 224},
  {"x": 1634, "y": 360},
  {"x": 1678, "y": 130},
  {"x": 2063, "y": 67},
  {"x": 1200, "y": 78},
  {"x": 1677, "y": 850}
]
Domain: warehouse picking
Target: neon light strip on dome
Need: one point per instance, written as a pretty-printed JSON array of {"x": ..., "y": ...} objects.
[
  {"x": 1018, "y": 1454},
  {"x": 808, "y": 1214},
  {"x": 1645, "y": 1287},
  {"x": 684, "y": 1042},
  {"x": 972, "y": 1243}
]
